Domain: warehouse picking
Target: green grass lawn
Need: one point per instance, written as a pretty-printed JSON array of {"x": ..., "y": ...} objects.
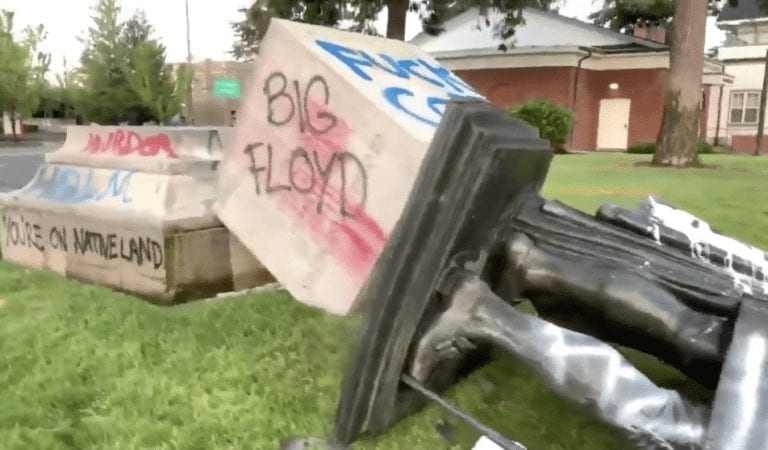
[{"x": 82, "y": 367}]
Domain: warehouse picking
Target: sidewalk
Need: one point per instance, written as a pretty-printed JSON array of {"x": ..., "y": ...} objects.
[
  {"x": 35, "y": 139},
  {"x": 42, "y": 141}
]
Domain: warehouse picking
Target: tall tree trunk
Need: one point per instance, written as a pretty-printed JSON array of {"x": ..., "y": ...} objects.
[
  {"x": 13, "y": 124},
  {"x": 682, "y": 102},
  {"x": 396, "y": 12},
  {"x": 761, "y": 116}
]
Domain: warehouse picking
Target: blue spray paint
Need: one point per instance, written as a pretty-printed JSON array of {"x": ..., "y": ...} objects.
[
  {"x": 72, "y": 185},
  {"x": 364, "y": 65}
]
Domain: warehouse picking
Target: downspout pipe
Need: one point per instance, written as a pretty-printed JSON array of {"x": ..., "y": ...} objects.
[
  {"x": 575, "y": 90},
  {"x": 719, "y": 107}
]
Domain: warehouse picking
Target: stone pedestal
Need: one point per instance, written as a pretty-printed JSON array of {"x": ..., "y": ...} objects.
[{"x": 130, "y": 208}]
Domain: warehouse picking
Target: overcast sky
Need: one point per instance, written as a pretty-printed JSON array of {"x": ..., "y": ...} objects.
[
  {"x": 65, "y": 20},
  {"x": 209, "y": 23}
]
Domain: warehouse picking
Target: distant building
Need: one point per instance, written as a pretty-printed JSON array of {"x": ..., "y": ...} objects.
[
  {"x": 210, "y": 110},
  {"x": 733, "y": 120},
  {"x": 613, "y": 82}
]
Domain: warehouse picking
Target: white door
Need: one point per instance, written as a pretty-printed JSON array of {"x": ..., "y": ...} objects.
[{"x": 613, "y": 124}]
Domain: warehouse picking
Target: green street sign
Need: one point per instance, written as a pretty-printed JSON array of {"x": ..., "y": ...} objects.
[{"x": 226, "y": 87}]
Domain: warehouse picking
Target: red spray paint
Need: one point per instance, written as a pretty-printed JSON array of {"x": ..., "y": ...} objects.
[
  {"x": 354, "y": 239},
  {"x": 124, "y": 143}
]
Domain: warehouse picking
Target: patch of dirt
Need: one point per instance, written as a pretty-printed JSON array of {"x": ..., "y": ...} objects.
[
  {"x": 2, "y": 303},
  {"x": 222, "y": 296},
  {"x": 648, "y": 164},
  {"x": 603, "y": 192},
  {"x": 616, "y": 166}
]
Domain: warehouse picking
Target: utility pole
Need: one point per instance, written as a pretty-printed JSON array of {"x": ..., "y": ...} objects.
[
  {"x": 761, "y": 120},
  {"x": 190, "y": 103}
]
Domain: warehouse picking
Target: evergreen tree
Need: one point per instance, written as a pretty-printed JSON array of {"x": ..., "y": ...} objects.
[
  {"x": 145, "y": 71},
  {"x": 105, "y": 96},
  {"x": 136, "y": 30},
  {"x": 124, "y": 72},
  {"x": 153, "y": 82}
]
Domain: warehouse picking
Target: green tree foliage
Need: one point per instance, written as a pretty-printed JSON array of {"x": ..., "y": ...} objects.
[
  {"x": 67, "y": 84},
  {"x": 124, "y": 72},
  {"x": 13, "y": 59},
  {"x": 625, "y": 15},
  {"x": 57, "y": 99},
  {"x": 360, "y": 15},
  {"x": 136, "y": 30},
  {"x": 355, "y": 15},
  {"x": 553, "y": 121},
  {"x": 151, "y": 79},
  {"x": 22, "y": 69},
  {"x": 105, "y": 96},
  {"x": 435, "y": 12},
  {"x": 38, "y": 64},
  {"x": 249, "y": 31}
]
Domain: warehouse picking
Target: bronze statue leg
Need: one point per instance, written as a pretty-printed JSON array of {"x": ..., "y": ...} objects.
[
  {"x": 575, "y": 365},
  {"x": 620, "y": 297}
]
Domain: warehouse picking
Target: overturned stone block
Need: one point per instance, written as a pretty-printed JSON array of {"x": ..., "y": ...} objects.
[
  {"x": 130, "y": 208},
  {"x": 331, "y": 136}
]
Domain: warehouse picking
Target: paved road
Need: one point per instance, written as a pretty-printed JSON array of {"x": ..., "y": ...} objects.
[{"x": 18, "y": 165}]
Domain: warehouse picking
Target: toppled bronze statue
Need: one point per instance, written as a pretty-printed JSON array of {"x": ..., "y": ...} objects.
[{"x": 475, "y": 239}]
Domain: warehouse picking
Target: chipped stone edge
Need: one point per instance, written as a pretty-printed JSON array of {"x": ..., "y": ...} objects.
[{"x": 274, "y": 286}]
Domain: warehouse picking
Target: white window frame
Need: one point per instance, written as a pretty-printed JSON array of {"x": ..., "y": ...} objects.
[{"x": 745, "y": 95}]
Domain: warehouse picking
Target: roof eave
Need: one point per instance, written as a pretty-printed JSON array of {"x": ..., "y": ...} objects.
[
  {"x": 630, "y": 50},
  {"x": 599, "y": 30},
  {"x": 737, "y": 22},
  {"x": 550, "y": 50},
  {"x": 749, "y": 59},
  {"x": 491, "y": 52}
]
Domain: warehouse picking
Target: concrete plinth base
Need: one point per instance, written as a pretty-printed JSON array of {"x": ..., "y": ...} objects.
[
  {"x": 163, "y": 267},
  {"x": 130, "y": 208}
]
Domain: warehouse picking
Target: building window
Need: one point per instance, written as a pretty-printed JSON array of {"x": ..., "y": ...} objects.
[{"x": 745, "y": 107}]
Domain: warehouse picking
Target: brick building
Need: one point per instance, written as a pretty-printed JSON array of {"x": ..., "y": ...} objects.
[
  {"x": 210, "y": 110},
  {"x": 734, "y": 109},
  {"x": 613, "y": 82}
]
